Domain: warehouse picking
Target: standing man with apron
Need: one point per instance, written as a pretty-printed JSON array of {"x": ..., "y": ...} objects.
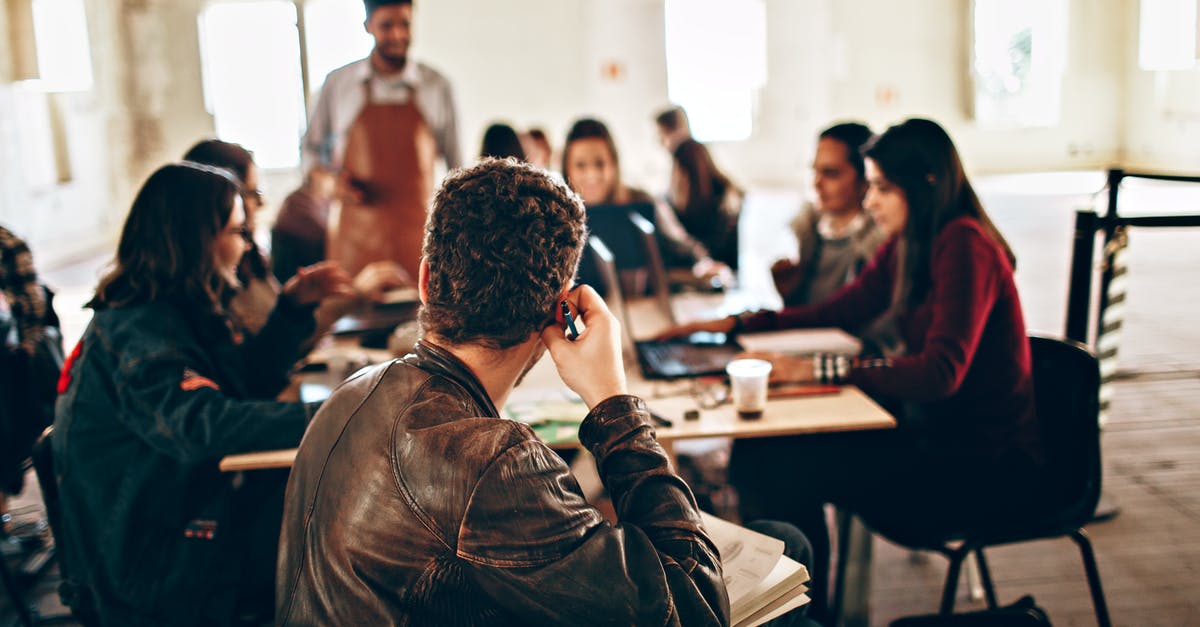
[{"x": 379, "y": 125}]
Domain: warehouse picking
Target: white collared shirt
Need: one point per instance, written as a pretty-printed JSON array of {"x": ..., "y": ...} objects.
[{"x": 342, "y": 98}]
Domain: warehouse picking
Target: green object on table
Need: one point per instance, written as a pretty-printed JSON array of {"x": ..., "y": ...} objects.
[{"x": 554, "y": 422}]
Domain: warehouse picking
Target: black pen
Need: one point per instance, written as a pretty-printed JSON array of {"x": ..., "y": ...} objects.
[{"x": 572, "y": 331}]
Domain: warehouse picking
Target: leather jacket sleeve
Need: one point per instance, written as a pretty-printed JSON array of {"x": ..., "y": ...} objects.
[{"x": 554, "y": 560}]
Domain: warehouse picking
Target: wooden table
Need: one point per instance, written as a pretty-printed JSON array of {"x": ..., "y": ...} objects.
[{"x": 847, "y": 410}]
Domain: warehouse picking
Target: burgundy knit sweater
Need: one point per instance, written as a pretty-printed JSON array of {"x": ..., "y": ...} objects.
[{"x": 966, "y": 370}]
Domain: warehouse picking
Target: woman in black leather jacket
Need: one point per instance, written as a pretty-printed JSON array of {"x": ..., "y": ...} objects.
[{"x": 164, "y": 384}]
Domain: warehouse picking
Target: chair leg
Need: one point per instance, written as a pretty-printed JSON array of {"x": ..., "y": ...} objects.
[
  {"x": 844, "y": 519},
  {"x": 985, "y": 577},
  {"x": 24, "y": 612},
  {"x": 1093, "y": 576},
  {"x": 950, "y": 590}
]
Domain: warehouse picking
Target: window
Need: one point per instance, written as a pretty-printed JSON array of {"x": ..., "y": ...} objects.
[
  {"x": 250, "y": 54},
  {"x": 64, "y": 57},
  {"x": 1167, "y": 35},
  {"x": 1019, "y": 58},
  {"x": 716, "y": 63},
  {"x": 334, "y": 36}
]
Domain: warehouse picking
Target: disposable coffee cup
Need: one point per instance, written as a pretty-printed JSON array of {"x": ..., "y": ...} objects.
[{"x": 748, "y": 381}]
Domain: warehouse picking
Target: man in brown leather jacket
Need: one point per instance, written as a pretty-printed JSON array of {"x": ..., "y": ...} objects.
[{"x": 412, "y": 502}]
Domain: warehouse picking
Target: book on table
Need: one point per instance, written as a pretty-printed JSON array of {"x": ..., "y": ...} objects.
[{"x": 762, "y": 582}]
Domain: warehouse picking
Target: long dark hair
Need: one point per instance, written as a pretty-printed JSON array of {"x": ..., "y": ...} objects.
[
  {"x": 166, "y": 248},
  {"x": 500, "y": 141},
  {"x": 706, "y": 184},
  {"x": 591, "y": 128},
  {"x": 920, "y": 158},
  {"x": 854, "y": 136}
]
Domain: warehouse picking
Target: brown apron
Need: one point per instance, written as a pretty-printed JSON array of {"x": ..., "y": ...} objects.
[{"x": 388, "y": 164}]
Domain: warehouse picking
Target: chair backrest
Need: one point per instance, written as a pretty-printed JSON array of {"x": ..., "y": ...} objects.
[
  {"x": 601, "y": 259},
  {"x": 654, "y": 264},
  {"x": 71, "y": 593},
  {"x": 1066, "y": 379}
]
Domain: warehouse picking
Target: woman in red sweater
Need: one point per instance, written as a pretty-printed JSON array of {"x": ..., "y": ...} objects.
[{"x": 967, "y": 444}]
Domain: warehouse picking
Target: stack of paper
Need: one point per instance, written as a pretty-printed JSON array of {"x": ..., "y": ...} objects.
[
  {"x": 762, "y": 583},
  {"x": 802, "y": 341}
]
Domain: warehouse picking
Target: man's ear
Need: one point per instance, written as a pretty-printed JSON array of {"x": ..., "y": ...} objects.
[{"x": 423, "y": 280}]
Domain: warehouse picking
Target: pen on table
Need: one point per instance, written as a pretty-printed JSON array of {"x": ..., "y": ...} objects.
[
  {"x": 660, "y": 421},
  {"x": 572, "y": 329}
]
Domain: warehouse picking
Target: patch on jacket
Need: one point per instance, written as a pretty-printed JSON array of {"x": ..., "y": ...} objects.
[
  {"x": 193, "y": 380},
  {"x": 64, "y": 377}
]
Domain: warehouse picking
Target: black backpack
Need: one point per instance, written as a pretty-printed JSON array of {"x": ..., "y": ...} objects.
[{"x": 1024, "y": 613}]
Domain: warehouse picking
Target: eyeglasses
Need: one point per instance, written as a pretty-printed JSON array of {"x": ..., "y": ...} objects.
[
  {"x": 707, "y": 393},
  {"x": 256, "y": 194}
]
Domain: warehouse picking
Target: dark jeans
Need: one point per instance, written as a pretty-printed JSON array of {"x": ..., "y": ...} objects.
[
  {"x": 797, "y": 547},
  {"x": 897, "y": 483},
  {"x": 258, "y": 518}
]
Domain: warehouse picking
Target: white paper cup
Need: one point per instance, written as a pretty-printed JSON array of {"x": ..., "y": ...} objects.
[{"x": 748, "y": 380}]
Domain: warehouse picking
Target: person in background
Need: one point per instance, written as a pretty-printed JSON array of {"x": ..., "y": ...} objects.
[
  {"x": 673, "y": 127},
  {"x": 163, "y": 384},
  {"x": 257, "y": 287},
  {"x": 23, "y": 318},
  {"x": 592, "y": 168},
  {"x": 500, "y": 141},
  {"x": 380, "y": 124},
  {"x": 706, "y": 202},
  {"x": 837, "y": 238},
  {"x": 299, "y": 234},
  {"x": 411, "y": 501},
  {"x": 537, "y": 148},
  {"x": 967, "y": 447}
]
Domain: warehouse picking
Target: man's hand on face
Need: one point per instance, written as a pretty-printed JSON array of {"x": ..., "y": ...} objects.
[{"x": 591, "y": 364}]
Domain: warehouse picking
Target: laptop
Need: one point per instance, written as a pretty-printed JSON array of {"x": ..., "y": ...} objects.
[{"x": 697, "y": 355}]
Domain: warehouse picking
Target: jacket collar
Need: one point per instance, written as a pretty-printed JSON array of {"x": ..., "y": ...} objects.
[{"x": 439, "y": 361}]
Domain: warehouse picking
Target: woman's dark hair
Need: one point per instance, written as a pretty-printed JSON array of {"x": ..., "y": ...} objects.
[
  {"x": 590, "y": 128},
  {"x": 854, "y": 137},
  {"x": 920, "y": 158},
  {"x": 501, "y": 141},
  {"x": 672, "y": 119},
  {"x": 706, "y": 184},
  {"x": 232, "y": 157},
  {"x": 166, "y": 247}
]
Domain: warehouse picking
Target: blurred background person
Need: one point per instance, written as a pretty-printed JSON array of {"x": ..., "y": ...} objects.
[
  {"x": 706, "y": 202},
  {"x": 500, "y": 141},
  {"x": 381, "y": 123},
  {"x": 836, "y": 236}
]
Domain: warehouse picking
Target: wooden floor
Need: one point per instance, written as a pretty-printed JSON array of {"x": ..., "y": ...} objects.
[{"x": 1149, "y": 555}]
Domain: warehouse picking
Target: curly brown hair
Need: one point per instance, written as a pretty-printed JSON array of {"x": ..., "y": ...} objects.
[{"x": 502, "y": 241}]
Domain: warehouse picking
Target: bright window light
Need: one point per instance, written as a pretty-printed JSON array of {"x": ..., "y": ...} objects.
[
  {"x": 716, "y": 63},
  {"x": 334, "y": 35},
  {"x": 1167, "y": 35},
  {"x": 1020, "y": 56},
  {"x": 250, "y": 55},
  {"x": 61, "y": 40}
]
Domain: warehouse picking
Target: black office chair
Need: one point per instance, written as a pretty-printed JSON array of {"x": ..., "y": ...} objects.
[
  {"x": 71, "y": 593},
  {"x": 1066, "y": 379}
]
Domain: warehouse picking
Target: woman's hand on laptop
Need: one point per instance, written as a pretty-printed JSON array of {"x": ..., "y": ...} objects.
[
  {"x": 591, "y": 363},
  {"x": 720, "y": 325}
]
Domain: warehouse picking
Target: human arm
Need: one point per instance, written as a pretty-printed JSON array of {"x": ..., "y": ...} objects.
[
  {"x": 448, "y": 138},
  {"x": 967, "y": 270},
  {"x": 316, "y": 145},
  {"x": 169, "y": 394},
  {"x": 684, "y": 245}
]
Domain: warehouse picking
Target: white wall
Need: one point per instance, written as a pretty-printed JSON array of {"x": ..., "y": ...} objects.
[
  {"x": 1162, "y": 113},
  {"x": 540, "y": 62}
]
